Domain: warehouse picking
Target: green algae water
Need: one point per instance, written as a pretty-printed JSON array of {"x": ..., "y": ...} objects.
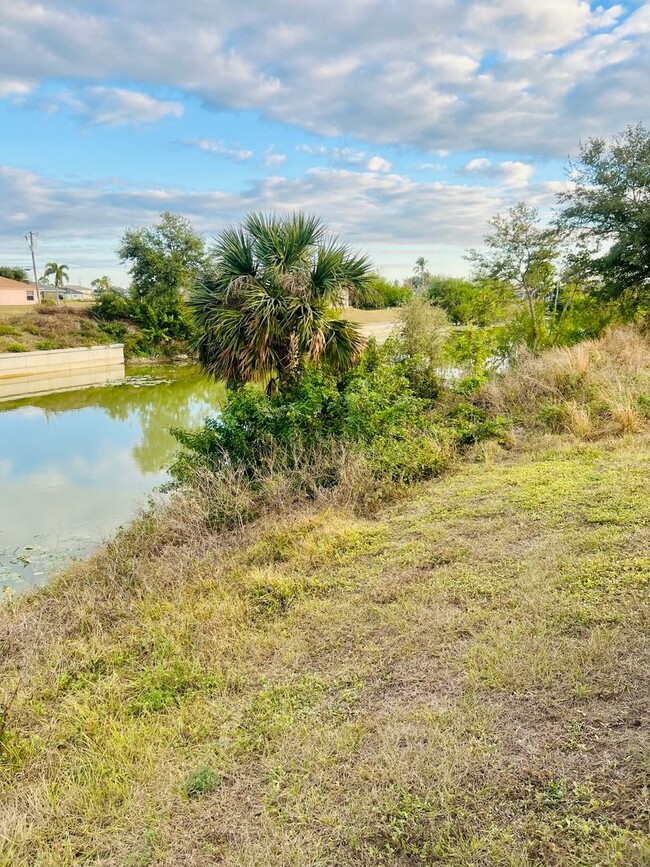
[{"x": 75, "y": 466}]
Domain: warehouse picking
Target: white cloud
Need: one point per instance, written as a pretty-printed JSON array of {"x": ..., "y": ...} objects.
[
  {"x": 218, "y": 147},
  {"x": 117, "y": 106},
  {"x": 510, "y": 173},
  {"x": 274, "y": 159},
  {"x": 355, "y": 204},
  {"x": 434, "y": 74},
  {"x": 15, "y": 87},
  {"x": 378, "y": 164},
  {"x": 335, "y": 156}
]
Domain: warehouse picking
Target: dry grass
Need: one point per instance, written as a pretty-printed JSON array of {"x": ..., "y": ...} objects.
[
  {"x": 595, "y": 389},
  {"x": 50, "y": 327},
  {"x": 461, "y": 680},
  {"x": 368, "y": 317}
]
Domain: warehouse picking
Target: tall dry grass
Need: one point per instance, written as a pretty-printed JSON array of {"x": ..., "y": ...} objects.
[{"x": 594, "y": 389}]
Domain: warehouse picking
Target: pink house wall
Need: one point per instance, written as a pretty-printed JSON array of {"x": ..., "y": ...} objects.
[{"x": 17, "y": 295}]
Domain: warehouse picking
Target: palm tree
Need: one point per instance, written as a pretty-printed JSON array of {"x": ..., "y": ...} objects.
[
  {"x": 60, "y": 274},
  {"x": 421, "y": 273},
  {"x": 102, "y": 284},
  {"x": 268, "y": 306}
]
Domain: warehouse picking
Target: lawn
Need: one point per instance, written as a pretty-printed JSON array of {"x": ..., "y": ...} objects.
[{"x": 460, "y": 679}]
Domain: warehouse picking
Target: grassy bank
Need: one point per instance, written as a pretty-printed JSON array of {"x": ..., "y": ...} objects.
[
  {"x": 51, "y": 327},
  {"x": 461, "y": 679},
  {"x": 372, "y": 671}
]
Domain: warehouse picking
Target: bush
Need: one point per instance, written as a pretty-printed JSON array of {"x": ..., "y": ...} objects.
[
  {"x": 470, "y": 302},
  {"x": 112, "y": 304},
  {"x": 383, "y": 294},
  {"x": 16, "y": 347},
  {"x": 423, "y": 331},
  {"x": 373, "y": 411}
]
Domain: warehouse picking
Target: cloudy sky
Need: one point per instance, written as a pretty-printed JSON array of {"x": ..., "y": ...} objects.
[{"x": 405, "y": 123}]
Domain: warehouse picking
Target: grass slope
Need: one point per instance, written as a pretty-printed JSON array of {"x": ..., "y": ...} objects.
[
  {"x": 50, "y": 327},
  {"x": 461, "y": 680}
]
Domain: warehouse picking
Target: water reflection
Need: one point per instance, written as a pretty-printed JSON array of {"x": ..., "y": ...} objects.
[{"x": 74, "y": 466}]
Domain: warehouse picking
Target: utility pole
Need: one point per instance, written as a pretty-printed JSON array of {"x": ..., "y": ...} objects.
[{"x": 29, "y": 237}]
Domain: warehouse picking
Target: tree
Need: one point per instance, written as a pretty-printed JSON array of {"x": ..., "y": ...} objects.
[
  {"x": 267, "y": 307},
  {"x": 164, "y": 259},
  {"x": 607, "y": 209},
  {"x": 384, "y": 293},
  {"x": 470, "y": 302},
  {"x": 522, "y": 253},
  {"x": 421, "y": 275},
  {"x": 14, "y": 273},
  {"x": 60, "y": 275},
  {"x": 102, "y": 284}
]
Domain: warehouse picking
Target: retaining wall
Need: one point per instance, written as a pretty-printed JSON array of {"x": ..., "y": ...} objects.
[{"x": 25, "y": 374}]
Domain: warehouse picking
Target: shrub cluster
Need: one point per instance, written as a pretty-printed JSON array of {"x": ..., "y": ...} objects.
[{"x": 386, "y": 423}]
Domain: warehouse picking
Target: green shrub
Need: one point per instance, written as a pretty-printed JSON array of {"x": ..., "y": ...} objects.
[
  {"x": 16, "y": 347},
  {"x": 383, "y": 294},
  {"x": 47, "y": 344},
  {"x": 6, "y": 330},
  {"x": 112, "y": 304}
]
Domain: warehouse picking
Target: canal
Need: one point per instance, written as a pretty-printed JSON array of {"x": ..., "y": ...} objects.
[{"x": 75, "y": 466}]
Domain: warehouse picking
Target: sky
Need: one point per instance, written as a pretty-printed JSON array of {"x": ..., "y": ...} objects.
[{"x": 405, "y": 124}]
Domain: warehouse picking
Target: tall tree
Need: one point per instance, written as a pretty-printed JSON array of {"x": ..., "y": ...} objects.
[
  {"x": 521, "y": 252},
  {"x": 14, "y": 273},
  {"x": 59, "y": 273},
  {"x": 421, "y": 275},
  {"x": 607, "y": 208},
  {"x": 165, "y": 259},
  {"x": 268, "y": 305}
]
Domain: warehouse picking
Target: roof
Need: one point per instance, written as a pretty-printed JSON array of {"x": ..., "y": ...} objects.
[{"x": 6, "y": 283}]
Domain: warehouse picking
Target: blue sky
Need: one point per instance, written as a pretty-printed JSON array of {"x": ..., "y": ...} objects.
[{"x": 406, "y": 124}]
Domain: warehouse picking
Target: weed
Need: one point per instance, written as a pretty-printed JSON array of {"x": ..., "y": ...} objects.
[{"x": 201, "y": 781}]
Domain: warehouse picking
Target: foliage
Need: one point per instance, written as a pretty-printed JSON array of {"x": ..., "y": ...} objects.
[
  {"x": 522, "y": 253},
  {"x": 165, "y": 261},
  {"x": 102, "y": 284},
  {"x": 165, "y": 258},
  {"x": 606, "y": 206},
  {"x": 266, "y": 307},
  {"x": 421, "y": 276},
  {"x": 112, "y": 303},
  {"x": 477, "y": 350},
  {"x": 14, "y": 273},
  {"x": 470, "y": 302},
  {"x": 422, "y": 330},
  {"x": 58, "y": 272},
  {"x": 384, "y": 293}
]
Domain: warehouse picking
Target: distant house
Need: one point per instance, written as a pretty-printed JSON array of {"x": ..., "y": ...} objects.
[
  {"x": 49, "y": 293},
  {"x": 78, "y": 293},
  {"x": 14, "y": 292}
]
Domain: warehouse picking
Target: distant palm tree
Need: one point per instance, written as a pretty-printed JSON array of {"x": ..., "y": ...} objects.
[
  {"x": 60, "y": 274},
  {"x": 102, "y": 284},
  {"x": 421, "y": 273},
  {"x": 269, "y": 304}
]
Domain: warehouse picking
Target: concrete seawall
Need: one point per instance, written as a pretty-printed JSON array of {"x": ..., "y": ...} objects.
[{"x": 26, "y": 374}]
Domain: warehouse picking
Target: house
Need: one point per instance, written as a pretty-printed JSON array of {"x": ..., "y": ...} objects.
[
  {"x": 13, "y": 292},
  {"x": 78, "y": 293}
]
